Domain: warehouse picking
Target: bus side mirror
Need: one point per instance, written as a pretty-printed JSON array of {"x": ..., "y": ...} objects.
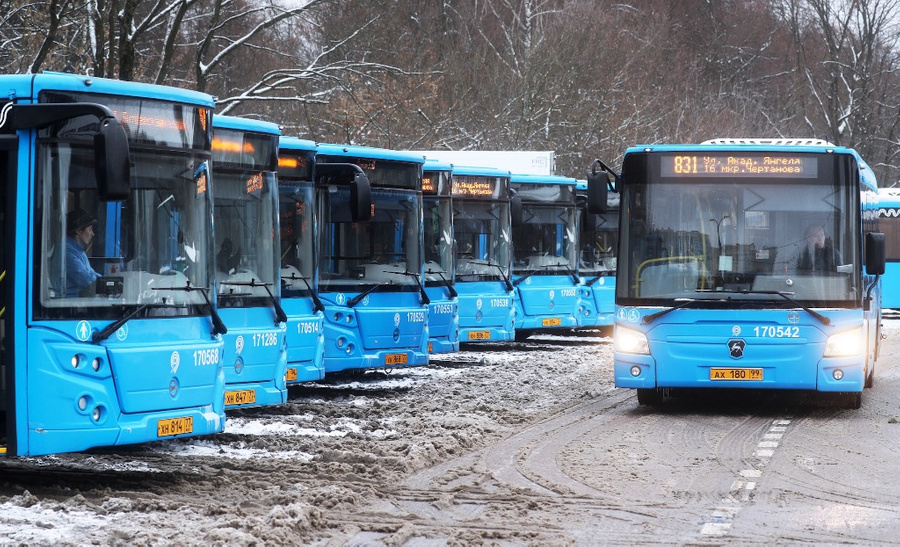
[
  {"x": 597, "y": 192},
  {"x": 112, "y": 164},
  {"x": 875, "y": 253},
  {"x": 360, "y": 198},
  {"x": 515, "y": 210}
]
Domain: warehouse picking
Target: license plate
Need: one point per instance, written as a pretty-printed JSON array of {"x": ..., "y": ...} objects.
[
  {"x": 480, "y": 335},
  {"x": 175, "y": 426},
  {"x": 395, "y": 359},
  {"x": 552, "y": 322},
  {"x": 242, "y": 397},
  {"x": 291, "y": 374},
  {"x": 751, "y": 374}
]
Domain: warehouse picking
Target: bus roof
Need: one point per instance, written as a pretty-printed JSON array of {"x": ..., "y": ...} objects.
[
  {"x": 437, "y": 165},
  {"x": 246, "y": 124},
  {"x": 293, "y": 143},
  {"x": 542, "y": 179},
  {"x": 27, "y": 86},
  {"x": 354, "y": 151},
  {"x": 477, "y": 171}
]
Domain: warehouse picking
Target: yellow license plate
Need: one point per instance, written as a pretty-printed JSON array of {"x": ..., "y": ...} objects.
[
  {"x": 243, "y": 397},
  {"x": 395, "y": 359},
  {"x": 291, "y": 374},
  {"x": 175, "y": 426},
  {"x": 430, "y": 347},
  {"x": 552, "y": 322},
  {"x": 751, "y": 374},
  {"x": 480, "y": 335}
]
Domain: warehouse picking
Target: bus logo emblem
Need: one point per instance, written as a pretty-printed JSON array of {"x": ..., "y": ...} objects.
[
  {"x": 396, "y": 319},
  {"x": 736, "y": 347},
  {"x": 239, "y": 344},
  {"x": 793, "y": 317},
  {"x": 174, "y": 362}
]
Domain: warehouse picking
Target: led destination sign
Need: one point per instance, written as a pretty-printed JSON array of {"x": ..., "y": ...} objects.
[
  {"x": 475, "y": 186},
  {"x": 738, "y": 165}
]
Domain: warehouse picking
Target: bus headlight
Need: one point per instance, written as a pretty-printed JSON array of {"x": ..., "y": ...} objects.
[
  {"x": 631, "y": 341},
  {"x": 845, "y": 344}
]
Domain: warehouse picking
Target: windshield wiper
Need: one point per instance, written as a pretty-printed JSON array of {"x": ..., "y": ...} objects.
[
  {"x": 317, "y": 303},
  {"x": 280, "y": 316},
  {"x": 102, "y": 335},
  {"x": 509, "y": 285},
  {"x": 524, "y": 277},
  {"x": 450, "y": 289},
  {"x": 597, "y": 277},
  {"x": 684, "y": 302},
  {"x": 425, "y": 299},
  {"x": 356, "y": 299},
  {"x": 568, "y": 270},
  {"x": 787, "y": 296},
  {"x": 218, "y": 325}
]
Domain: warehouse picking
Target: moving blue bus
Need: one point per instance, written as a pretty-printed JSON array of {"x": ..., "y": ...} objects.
[
  {"x": 108, "y": 321},
  {"x": 299, "y": 269},
  {"x": 482, "y": 226},
  {"x": 245, "y": 205},
  {"x": 748, "y": 264},
  {"x": 440, "y": 259},
  {"x": 598, "y": 248},
  {"x": 889, "y": 225},
  {"x": 545, "y": 255},
  {"x": 370, "y": 251}
]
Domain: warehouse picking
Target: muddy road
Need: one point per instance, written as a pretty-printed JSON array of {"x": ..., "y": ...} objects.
[{"x": 507, "y": 444}]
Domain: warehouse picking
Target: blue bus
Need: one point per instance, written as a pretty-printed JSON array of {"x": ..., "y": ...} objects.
[
  {"x": 443, "y": 313},
  {"x": 370, "y": 250},
  {"x": 545, "y": 255},
  {"x": 107, "y": 316},
  {"x": 299, "y": 270},
  {"x": 245, "y": 205},
  {"x": 482, "y": 226},
  {"x": 598, "y": 241},
  {"x": 889, "y": 225},
  {"x": 748, "y": 264}
]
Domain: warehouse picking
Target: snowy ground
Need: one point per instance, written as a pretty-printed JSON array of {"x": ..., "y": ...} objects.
[{"x": 280, "y": 475}]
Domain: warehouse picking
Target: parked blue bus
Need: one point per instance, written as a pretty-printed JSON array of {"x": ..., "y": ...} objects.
[
  {"x": 545, "y": 255},
  {"x": 299, "y": 265},
  {"x": 107, "y": 315},
  {"x": 889, "y": 225},
  {"x": 482, "y": 226},
  {"x": 245, "y": 205},
  {"x": 370, "y": 249},
  {"x": 598, "y": 235},
  {"x": 748, "y": 264},
  {"x": 440, "y": 259}
]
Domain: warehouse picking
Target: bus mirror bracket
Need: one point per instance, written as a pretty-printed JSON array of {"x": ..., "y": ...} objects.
[
  {"x": 599, "y": 186},
  {"x": 353, "y": 176},
  {"x": 111, "y": 154},
  {"x": 515, "y": 209}
]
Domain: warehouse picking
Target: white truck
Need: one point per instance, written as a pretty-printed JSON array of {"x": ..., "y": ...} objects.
[{"x": 525, "y": 162}]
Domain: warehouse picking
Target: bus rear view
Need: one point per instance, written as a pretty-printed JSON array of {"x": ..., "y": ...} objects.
[{"x": 750, "y": 264}]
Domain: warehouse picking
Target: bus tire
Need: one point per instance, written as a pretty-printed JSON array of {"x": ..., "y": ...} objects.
[
  {"x": 649, "y": 396},
  {"x": 852, "y": 400},
  {"x": 870, "y": 377}
]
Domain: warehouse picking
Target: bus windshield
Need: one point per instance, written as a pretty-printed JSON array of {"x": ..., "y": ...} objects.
[
  {"x": 684, "y": 233},
  {"x": 298, "y": 264},
  {"x": 545, "y": 243},
  {"x": 96, "y": 256},
  {"x": 385, "y": 250},
  {"x": 438, "y": 236},
  {"x": 482, "y": 240}
]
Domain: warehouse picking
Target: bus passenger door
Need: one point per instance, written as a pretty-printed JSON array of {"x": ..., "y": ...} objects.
[{"x": 8, "y": 149}]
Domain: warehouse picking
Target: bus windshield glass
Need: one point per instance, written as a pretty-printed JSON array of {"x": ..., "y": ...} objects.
[
  {"x": 752, "y": 222},
  {"x": 438, "y": 237},
  {"x": 599, "y": 241},
  {"x": 245, "y": 196},
  {"x": 545, "y": 243},
  {"x": 482, "y": 239},
  {"x": 357, "y": 255},
  {"x": 298, "y": 266},
  {"x": 149, "y": 250}
]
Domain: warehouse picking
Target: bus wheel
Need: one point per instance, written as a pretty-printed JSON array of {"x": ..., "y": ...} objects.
[
  {"x": 852, "y": 400},
  {"x": 651, "y": 396},
  {"x": 870, "y": 377},
  {"x": 522, "y": 335}
]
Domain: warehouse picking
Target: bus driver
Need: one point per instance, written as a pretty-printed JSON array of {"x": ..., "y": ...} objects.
[{"x": 80, "y": 231}]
